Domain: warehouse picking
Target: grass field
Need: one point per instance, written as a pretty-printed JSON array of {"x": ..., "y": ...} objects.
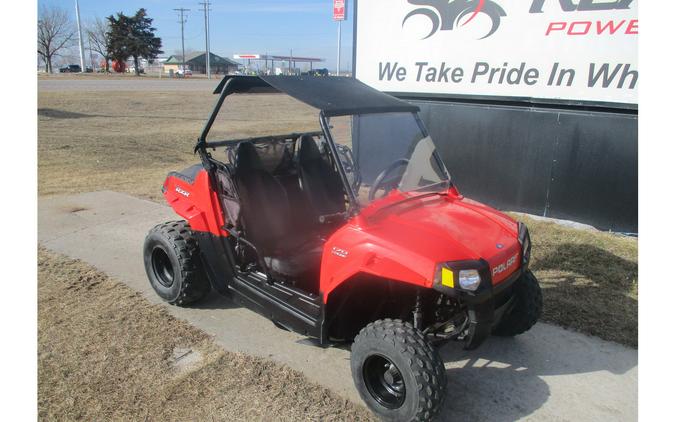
[
  {"x": 589, "y": 279},
  {"x": 113, "y": 75},
  {"x": 128, "y": 141},
  {"x": 105, "y": 353}
]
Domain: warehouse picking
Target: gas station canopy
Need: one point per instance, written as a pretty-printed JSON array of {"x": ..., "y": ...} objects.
[{"x": 273, "y": 58}]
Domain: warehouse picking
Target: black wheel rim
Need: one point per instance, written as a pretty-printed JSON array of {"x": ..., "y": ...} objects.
[
  {"x": 384, "y": 381},
  {"x": 161, "y": 266}
]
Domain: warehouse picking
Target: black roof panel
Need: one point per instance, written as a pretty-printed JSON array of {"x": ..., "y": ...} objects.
[{"x": 335, "y": 96}]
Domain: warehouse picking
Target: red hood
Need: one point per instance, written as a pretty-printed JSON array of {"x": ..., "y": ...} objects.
[{"x": 449, "y": 228}]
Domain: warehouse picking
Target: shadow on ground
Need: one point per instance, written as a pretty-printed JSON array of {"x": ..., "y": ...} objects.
[
  {"x": 508, "y": 372},
  {"x": 215, "y": 300},
  {"x": 583, "y": 283},
  {"x": 62, "y": 114},
  {"x": 596, "y": 264}
]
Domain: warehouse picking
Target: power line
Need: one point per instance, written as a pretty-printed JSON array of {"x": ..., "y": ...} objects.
[
  {"x": 182, "y": 34},
  {"x": 206, "y": 10}
]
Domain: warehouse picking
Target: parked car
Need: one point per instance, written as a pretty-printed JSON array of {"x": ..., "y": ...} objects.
[
  {"x": 132, "y": 69},
  {"x": 71, "y": 68},
  {"x": 315, "y": 72},
  {"x": 184, "y": 72}
]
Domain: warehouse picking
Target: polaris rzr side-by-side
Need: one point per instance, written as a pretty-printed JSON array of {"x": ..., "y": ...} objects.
[{"x": 352, "y": 233}]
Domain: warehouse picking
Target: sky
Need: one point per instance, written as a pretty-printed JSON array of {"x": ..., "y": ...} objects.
[{"x": 243, "y": 26}]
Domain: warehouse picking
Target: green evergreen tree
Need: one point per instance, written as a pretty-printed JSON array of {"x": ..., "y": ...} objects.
[{"x": 133, "y": 36}]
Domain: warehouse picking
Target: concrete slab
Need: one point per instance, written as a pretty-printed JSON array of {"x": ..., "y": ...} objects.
[{"x": 546, "y": 374}]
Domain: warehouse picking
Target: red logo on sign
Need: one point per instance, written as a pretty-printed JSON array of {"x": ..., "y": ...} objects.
[
  {"x": 445, "y": 15},
  {"x": 339, "y": 10}
]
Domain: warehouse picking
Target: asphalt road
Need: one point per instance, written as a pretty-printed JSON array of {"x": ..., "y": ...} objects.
[
  {"x": 127, "y": 84},
  {"x": 546, "y": 374}
]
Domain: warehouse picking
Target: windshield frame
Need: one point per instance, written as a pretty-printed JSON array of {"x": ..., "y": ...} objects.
[{"x": 354, "y": 205}]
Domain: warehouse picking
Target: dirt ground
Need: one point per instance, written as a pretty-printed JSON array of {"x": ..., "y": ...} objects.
[
  {"x": 127, "y": 142},
  {"x": 105, "y": 353}
]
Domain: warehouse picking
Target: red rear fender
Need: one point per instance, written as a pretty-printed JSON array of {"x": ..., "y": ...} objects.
[{"x": 195, "y": 201}]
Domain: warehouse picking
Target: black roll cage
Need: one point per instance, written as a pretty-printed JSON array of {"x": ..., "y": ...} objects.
[{"x": 251, "y": 84}]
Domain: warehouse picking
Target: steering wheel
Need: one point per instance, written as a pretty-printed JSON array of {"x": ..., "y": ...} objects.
[{"x": 377, "y": 184}]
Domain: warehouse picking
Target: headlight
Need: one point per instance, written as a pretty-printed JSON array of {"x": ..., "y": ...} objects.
[
  {"x": 469, "y": 279},
  {"x": 464, "y": 279}
]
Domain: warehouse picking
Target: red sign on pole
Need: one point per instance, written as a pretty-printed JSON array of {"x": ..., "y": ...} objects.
[{"x": 339, "y": 11}]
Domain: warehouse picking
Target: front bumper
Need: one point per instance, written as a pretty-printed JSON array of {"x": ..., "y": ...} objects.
[{"x": 487, "y": 305}]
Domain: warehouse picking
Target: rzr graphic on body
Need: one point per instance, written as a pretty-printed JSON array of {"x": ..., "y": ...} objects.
[{"x": 445, "y": 15}]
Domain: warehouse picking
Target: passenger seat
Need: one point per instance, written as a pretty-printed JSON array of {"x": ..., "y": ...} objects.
[
  {"x": 320, "y": 181},
  {"x": 288, "y": 253}
]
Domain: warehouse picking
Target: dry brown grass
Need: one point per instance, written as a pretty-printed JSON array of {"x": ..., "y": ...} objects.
[
  {"x": 76, "y": 76},
  {"x": 105, "y": 353},
  {"x": 589, "y": 279},
  {"x": 114, "y": 75},
  {"x": 128, "y": 141}
]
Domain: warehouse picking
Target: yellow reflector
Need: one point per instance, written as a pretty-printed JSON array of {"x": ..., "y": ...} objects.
[{"x": 447, "y": 277}]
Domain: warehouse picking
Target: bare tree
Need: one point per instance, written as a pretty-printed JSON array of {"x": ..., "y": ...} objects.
[
  {"x": 55, "y": 32},
  {"x": 98, "y": 39}
]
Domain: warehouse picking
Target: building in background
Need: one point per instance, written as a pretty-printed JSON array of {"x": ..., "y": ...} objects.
[
  {"x": 153, "y": 67},
  {"x": 196, "y": 62},
  {"x": 267, "y": 64}
]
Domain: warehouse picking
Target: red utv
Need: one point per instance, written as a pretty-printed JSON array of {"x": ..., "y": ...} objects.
[{"x": 351, "y": 233}]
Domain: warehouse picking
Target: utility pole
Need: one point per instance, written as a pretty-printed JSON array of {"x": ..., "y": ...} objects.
[
  {"x": 338, "y": 52},
  {"x": 79, "y": 35},
  {"x": 206, "y": 9},
  {"x": 182, "y": 35},
  {"x": 339, "y": 14}
]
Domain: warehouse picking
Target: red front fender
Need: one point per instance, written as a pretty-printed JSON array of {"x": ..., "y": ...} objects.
[{"x": 351, "y": 251}]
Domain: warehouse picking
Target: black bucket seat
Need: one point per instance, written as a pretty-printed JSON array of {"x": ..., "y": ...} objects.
[
  {"x": 319, "y": 179},
  {"x": 289, "y": 254}
]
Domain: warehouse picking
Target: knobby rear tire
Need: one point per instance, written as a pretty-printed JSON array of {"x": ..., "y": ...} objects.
[{"x": 175, "y": 243}]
